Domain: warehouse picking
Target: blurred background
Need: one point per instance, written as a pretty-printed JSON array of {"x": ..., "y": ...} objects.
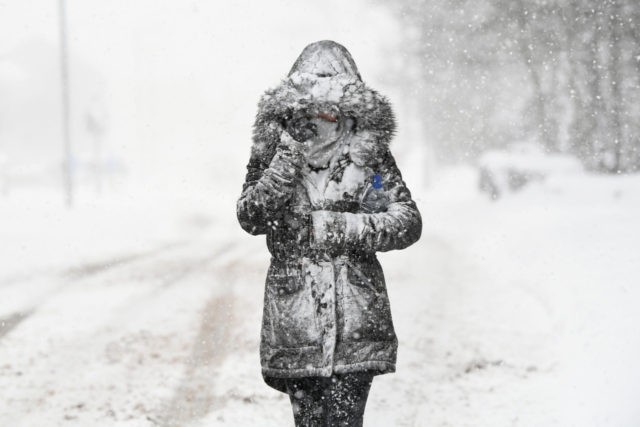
[{"x": 130, "y": 296}]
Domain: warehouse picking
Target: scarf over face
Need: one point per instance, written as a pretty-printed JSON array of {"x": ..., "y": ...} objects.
[{"x": 323, "y": 71}]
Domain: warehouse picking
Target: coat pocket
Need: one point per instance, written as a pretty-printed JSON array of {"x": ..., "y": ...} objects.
[
  {"x": 367, "y": 314},
  {"x": 291, "y": 309}
]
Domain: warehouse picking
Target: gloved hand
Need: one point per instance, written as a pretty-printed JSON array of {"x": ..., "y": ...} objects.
[
  {"x": 290, "y": 147},
  {"x": 300, "y": 127}
]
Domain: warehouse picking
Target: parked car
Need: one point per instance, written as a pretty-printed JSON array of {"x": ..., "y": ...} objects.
[{"x": 521, "y": 164}]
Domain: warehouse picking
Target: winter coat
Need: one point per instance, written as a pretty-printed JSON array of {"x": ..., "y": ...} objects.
[{"x": 326, "y": 308}]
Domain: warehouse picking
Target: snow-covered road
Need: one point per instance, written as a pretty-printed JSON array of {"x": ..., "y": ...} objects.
[
  {"x": 507, "y": 315},
  {"x": 109, "y": 340}
]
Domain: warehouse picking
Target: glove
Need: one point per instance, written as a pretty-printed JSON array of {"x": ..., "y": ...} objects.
[{"x": 300, "y": 127}]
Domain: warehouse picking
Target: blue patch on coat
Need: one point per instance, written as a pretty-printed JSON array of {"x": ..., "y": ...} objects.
[{"x": 377, "y": 181}]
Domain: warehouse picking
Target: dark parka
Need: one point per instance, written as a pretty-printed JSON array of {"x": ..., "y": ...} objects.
[{"x": 326, "y": 308}]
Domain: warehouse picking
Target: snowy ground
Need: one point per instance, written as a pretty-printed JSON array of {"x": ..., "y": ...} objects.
[{"x": 521, "y": 312}]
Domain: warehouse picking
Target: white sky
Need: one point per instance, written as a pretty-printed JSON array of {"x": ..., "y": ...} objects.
[{"x": 181, "y": 79}]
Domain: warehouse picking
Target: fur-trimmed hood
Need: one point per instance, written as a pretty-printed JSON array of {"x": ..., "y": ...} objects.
[{"x": 323, "y": 77}]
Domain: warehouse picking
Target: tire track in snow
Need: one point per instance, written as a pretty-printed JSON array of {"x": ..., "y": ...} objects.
[
  {"x": 194, "y": 398},
  {"x": 97, "y": 267},
  {"x": 9, "y": 322},
  {"x": 72, "y": 275},
  {"x": 158, "y": 272},
  {"x": 195, "y": 395},
  {"x": 89, "y": 268}
]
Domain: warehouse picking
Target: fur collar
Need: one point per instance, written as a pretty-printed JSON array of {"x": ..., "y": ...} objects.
[
  {"x": 371, "y": 110},
  {"x": 374, "y": 118}
]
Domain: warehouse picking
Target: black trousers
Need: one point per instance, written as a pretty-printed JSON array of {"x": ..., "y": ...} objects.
[{"x": 333, "y": 401}]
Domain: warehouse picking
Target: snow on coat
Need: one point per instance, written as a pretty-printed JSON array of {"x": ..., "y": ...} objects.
[{"x": 326, "y": 308}]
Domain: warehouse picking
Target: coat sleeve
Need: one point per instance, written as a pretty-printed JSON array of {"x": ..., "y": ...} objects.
[
  {"x": 269, "y": 183},
  {"x": 396, "y": 228}
]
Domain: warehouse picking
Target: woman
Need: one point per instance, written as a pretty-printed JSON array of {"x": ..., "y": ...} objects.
[{"x": 324, "y": 187}]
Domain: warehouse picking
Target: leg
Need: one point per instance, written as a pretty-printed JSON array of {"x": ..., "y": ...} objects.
[
  {"x": 347, "y": 399},
  {"x": 308, "y": 396}
]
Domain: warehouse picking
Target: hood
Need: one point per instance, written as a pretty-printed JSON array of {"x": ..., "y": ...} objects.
[
  {"x": 323, "y": 71},
  {"x": 324, "y": 77},
  {"x": 326, "y": 59}
]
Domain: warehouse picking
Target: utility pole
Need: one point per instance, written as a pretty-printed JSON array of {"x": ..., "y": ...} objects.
[{"x": 64, "y": 80}]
